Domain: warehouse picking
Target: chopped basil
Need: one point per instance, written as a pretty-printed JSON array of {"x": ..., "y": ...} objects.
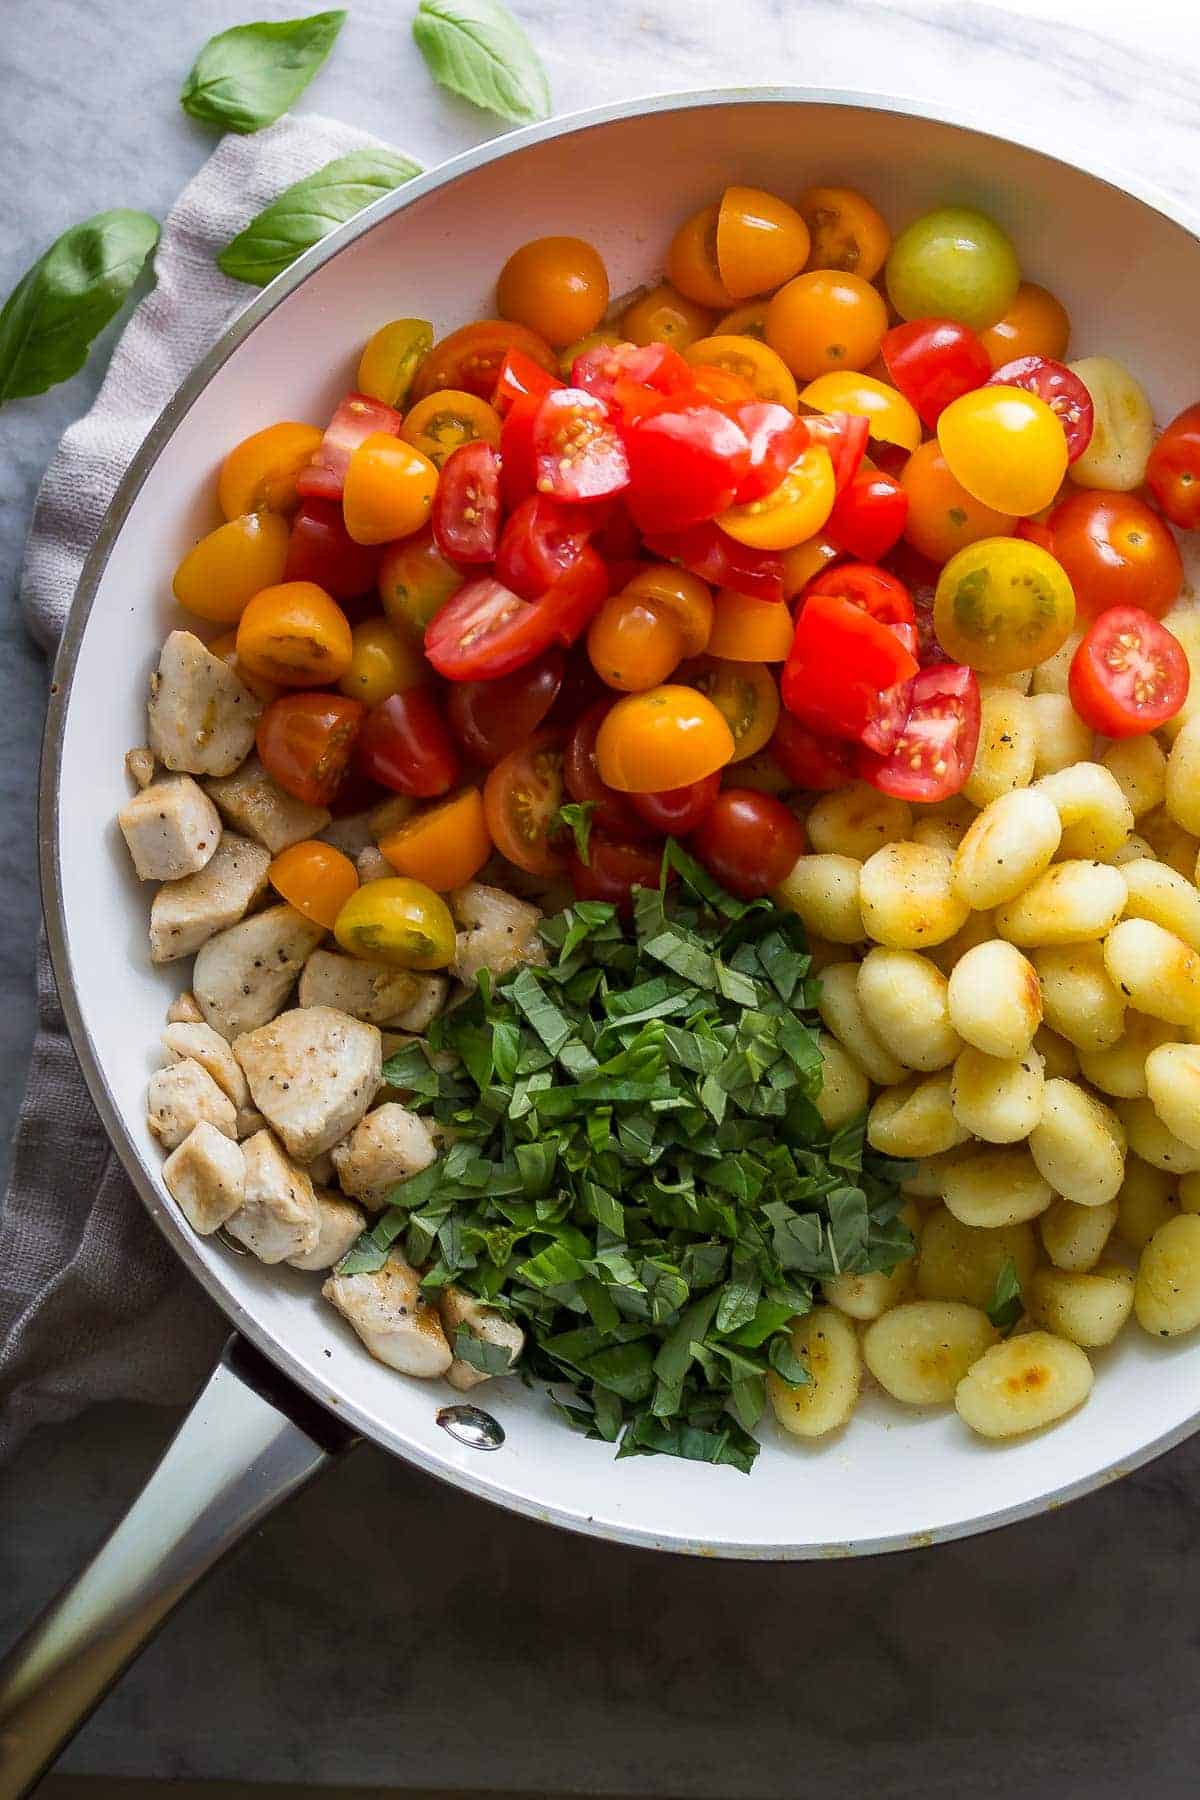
[
  {"x": 576, "y": 816},
  {"x": 1007, "y": 1302}
]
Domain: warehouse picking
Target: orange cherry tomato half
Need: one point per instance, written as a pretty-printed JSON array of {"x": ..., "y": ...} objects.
[
  {"x": 556, "y": 287},
  {"x": 692, "y": 264},
  {"x": 1117, "y": 552},
  {"x": 262, "y": 470},
  {"x": 746, "y": 696},
  {"x": 804, "y": 561},
  {"x": 383, "y": 661},
  {"x": 391, "y": 358},
  {"x": 665, "y": 738},
  {"x": 443, "y": 421},
  {"x": 296, "y": 635},
  {"x": 745, "y": 321},
  {"x": 761, "y": 241},
  {"x": 521, "y": 799},
  {"x": 471, "y": 357},
  {"x": 1036, "y": 324},
  {"x": 942, "y": 517},
  {"x": 791, "y": 512},
  {"x": 388, "y": 491},
  {"x": 443, "y": 845},
  {"x": 826, "y": 319},
  {"x": 664, "y": 316},
  {"x": 221, "y": 574},
  {"x": 847, "y": 232},
  {"x": 684, "y": 598},
  {"x": 763, "y": 371},
  {"x": 225, "y": 647},
  {"x": 748, "y": 630},
  {"x": 314, "y": 878},
  {"x": 633, "y": 643},
  {"x": 415, "y": 580}
]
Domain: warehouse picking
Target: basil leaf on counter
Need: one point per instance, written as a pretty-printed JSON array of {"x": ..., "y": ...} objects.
[
  {"x": 70, "y": 293},
  {"x": 247, "y": 77},
  {"x": 477, "y": 49},
  {"x": 310, "y": 209}
]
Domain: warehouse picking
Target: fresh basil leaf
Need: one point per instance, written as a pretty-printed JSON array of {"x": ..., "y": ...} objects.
[
  {"x": 489, "y": 1359},
  {"x": 1007, "y": 1302},
  {"x": 68, "y": 295},
  {"x": 309, "y": 210},
  {"x": 477, "y": 49},
  {"x": 411, "y": 1070},
  {"x": 247, "y": 77},
  {"x": 575, "y": 816}
]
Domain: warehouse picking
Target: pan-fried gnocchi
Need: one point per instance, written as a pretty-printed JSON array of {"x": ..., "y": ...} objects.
[
  {"x": 1155, "y": 970},
  {"x": 1181, "y": 795},
  {"x": 1011, "y": 843},
  {"x": 1166, "y": 1295},
  {"x": 1165, "y": 897},
  {"x": 997, "y": 1098},
  {"x": 845, "y": 1089},
  {"x": 1139, "y": 767},
  {"x": 1072, "y": 903},
  {"x": 1062, "y": 736},
  {"x": 825, "y": 1342},
  {"x": 904, "y": 1001},
  {"x": 823, "y": 891},
  {"x": 1088, "y": 1307},
  {"x": 1074, "y": 1236},
  {"x": 908, "y": 899},
  {"x": 1120, "y": 1069},
  {"x": 916, "y": 1118},
  {"x": 1007, "y": 747},
  {"x": 1096, "y": 817},
  {"x": 1079, "y": 1145},
  {"x": 997, "y": 1187},
  {"x": 1154, "y": 1141},
  {"x": 1173, "y": 1089},
  {"x": 1146, "y": 1201},
  {"x": 920, "y": 1351},
  {"x": 1079, "y": 1001},
  {"x": 995, "y": 999},
  {"x": 842, "y": 1014},
  {"x": 964, "y": 1262},
  {"x": 1023, "y": 1384},
  {"x": 1059, "y": 1056},
  {"x": 858, "y": 820},
  {"x": 1053, "y": 676},
  {"x": 869, "y": 1295}
]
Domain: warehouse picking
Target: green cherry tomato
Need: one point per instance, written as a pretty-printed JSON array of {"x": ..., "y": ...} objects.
[
  {"x": 1003, "y": 604},
  {"x": 953, "y": 264},
  {"x": 399, "y": 922},
  {"x": 1006, "y": 447}
]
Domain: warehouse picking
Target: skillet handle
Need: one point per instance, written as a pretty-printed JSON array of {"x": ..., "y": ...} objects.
[{"x": 250, "y": 1441}]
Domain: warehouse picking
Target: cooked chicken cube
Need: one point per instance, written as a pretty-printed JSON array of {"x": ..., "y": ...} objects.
[
  {"x": 180, "y": 1096},
  {"x": 209, "y": 1049},
  {"x": 496, "y": 932},
  {"x": 243, "y": 976},
  {"x": 254, "y": 803},
  {"x": 395, "y": 1323},
  {"x": 313, "y": 1072},
  {"x": 201, "y": 717},
  {"x": 278, "y": 1217},
  {"x": 185, "y": 1010},
  {"x": 139, "y": 766},
  {"x": 340, "y": 1222},
  {"x": 172, "y": 829},
  {"x": 386, "y": 1147},
  {"x": 419, "y": 1015},
  {"x": 366, "y": 990},
  {"x": 185, "y": 914},
  {"x": 372, "y": 865},
  {"x": 319, "y": 1168},
  {"x": 250, "y": 1120},
  {"x": 457, "y": 1308},
  {"x": 206, "y": 1177}
]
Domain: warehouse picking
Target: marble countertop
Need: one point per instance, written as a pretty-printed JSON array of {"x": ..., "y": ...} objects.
[{"x": 384, "y": 1630}]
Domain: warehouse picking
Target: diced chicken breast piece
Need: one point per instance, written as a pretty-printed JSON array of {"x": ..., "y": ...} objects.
[
  {"x": 320, "y": 1169},
  {"x": 139, "y": 766},
  {"x": 495, "y": 932},
  {"x": 206, "y": 1177},
  {"x": 185, "y": 914},
  {"x": 254, "y": 803},
  {"x": 180, "y": 1096},
  {"x": 171, "y": 828},
  {"x": 210, "y": 1050},
  {"x": 201, "y": 717},
  {"x": 313, "y": 1072},
  {"x": 185, "y": 1010},
  {"x": 397, "y": 1325},
  {"x": 243, "y": 976},
  {"x": 419, "y": 1015},
  {"x": 250, "y": 1120},
  {"x": 340, "y": 1222},
  {"x": 278, "y": 1217},
  {"x": 372, "y": 865},
  {"x": 457, "y": 1308},
  {"x": 388, "y": 1146},
  {"x": 366, "y": 990}
]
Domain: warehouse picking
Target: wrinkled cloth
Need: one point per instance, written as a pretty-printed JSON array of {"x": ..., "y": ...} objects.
[{"x": 93, "y": 1304}]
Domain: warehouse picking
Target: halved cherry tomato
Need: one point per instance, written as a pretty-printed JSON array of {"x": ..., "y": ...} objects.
[
  {"x": 471, "y": 357},
  {"x": 933, "y": 361},
  {"x": 633, "y": 643},
  {"x": 556, "y": 286},
  {"x": 745, "y": 321},
  {"x": 676, "y": 811},
  {"x": 1002, "y": 605},
  {"x": 221, "y": 574},
  {"x": 681, "y": 597},
  {"x": 1035, "y": 531},
  {"x": 613, "y": 870},
  {"x": 388, "y": 490},
  {"x": 397, "y": 921},
  {"x": 685, "y": 464},
  {"x": 577, "y": 452},
  {"x": 761, "y": 241},
  {"x": 745, "y": 695},
  {"x": 466, "y": 507},
  {"x": 765, "y": 373},
  {"x": 882, "y": 595},
  {"x": 1036, "y": 324},
  {"x": 777, "y": 440},
  {"x": 845, "y": 437},
  {"x": 1129, "y": 675},
  {"x": 942, "y": 517},
  {"x": 540, "y": 541},
  {"x": 521, "y": 799},
  {"x": 793, "y": 510},
  {"x": 486, "y": 630},
  {"x": 1117, "y": 552},
  {"x": 890, "y": 418},
  {"x": 1061, "y": 389},
  {"x": 1173, "y": 471},
  {"x": 225, "y": 647},
  {"x": 705, "y": 550},
  {"x": 748, "y": 630},
  {"x": 296, "y": 635},
  {"x": 305, "y": 741},
  {"x": 818, "y": 764},
  {"x": 665, "y": 738},
  {"x": 320, "y": 549},
  {"x": 935, "y": 751},
  {"x": 492, "y": 718},
  {"x": 391, "y": 358},
  {"x": 712, "y": 382},
  {"x": 663, "y": 316},
  {"x": 415, "y": 580},
  {"x": 920, "y": 576},
  {"x": 847, "y": 231},
  {"x": 314, "y": 878},
  {"x": 1006, "y": 447},
  {"x": 654, "y": 366},
  {"x": 520, "y": 377},
  {"x": 842, "y": 662},
  {"x": 612, "y": 812},
  {"x": 803, "y": 562},
  {"x": 356, "y": 419},
  {"x": 445, "y": 845},
  {"x": 692, "y": 264},
  {"x": 384, "y": 661},
  {"x": 749, "y": 841},
  {"x": 405, "y": 745},
  {"x": 826, "y": 319},
  {"x": 869, "y": 516},
  {"x": 441, "y": 423},
  {"x": 262, "y": 471}
]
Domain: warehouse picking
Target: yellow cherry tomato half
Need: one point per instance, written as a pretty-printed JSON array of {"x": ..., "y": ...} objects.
[
  {"x": 1006, "y": 447},
  {"x": 761, "y": 241},
  {"x": 391, "y": 358},
  {"x": 397, "y": 921},
  {"x": 1036, "y": 324},
  {"x": 314, "y": 878},
  {"x": 765, "y": 373},
  {"x": 296, "y": 635},
  {"x": 826, "y": 319},
  {"x": 692, "y": 264},
  {"x": 263, "y": 469},
  {"x": 414, "y": 580},
  {"x": 225, "y": 647},
  {"x": 1003, "y": 604},
  {"x": 746, "y": 696},
  {"x": 633, "y": 644},
  {"x": 388, "y": 491},
  {"x": 803, "y": 561},
  {"x": 893, "y": 419},
  {"x": 793, "y": 511},
  {"x": 445, "y": 419},
  {"x": 747, "y": 629},
  {"x": 662, "y": 739},
  {"x": 221, "y": 574},
  {"x": 566, "y": 358},
  {"x": 942, "y": 517},
  {"x": 557, "y": 286},
  {"x": 682, "y": 597},
  {"x": 664, "y": 316},
  {"x": 444, "y": 845},
  {"x": 383, "y": 661},
  {"x": 847, "y": 231},
  {"x": 745, "y": 321}
]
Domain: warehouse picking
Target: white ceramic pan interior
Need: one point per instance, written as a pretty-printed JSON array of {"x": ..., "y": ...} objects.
[{"x": 1129, "y": 274}]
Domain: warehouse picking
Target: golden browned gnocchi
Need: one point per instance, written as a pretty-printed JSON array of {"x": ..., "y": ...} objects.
[
  {"x": 1053, "y": 676},
  {"x": 1071, "y": 903},
  {"x": 1023, "y": 1384},
  {"x": 1062, "y": 736},
  {"x": 826, "y": 1343},
  {"x": 977, "y": 929},
  {"x": 1146, "y": 1201},
  {"x": 997, "y": 1098},
  {"x": 1007, "y": 747},
  {"x": 1009, "y": 845},
  {"x": 1184, "y": 623},
  {"x": 1139, "y": 767},
  {"x": 908, "y": 899},
  {"x": 1059, "y": 1056},
  {"x": 1173, "y": 1089},
  {"x": 963, "y": 1262},
  {"x": 1134, "y": 849},
  {"x": 919, "y": 1352},
  {"x": 1181, "y": 795},
  {"x": 1166, "y": 1295},
  {"x": 1079, "y": 1000},
  {"x": 1156, "y": 971},
  {"x": 996, "y": 1187},
  {"x": 845, "y": 1089},
  {"x": 1074, "y": 1236},
  {"x": 1164, "y": 896},
  {"x": 1170, "y": 842},
  {"x": 904, "y": 1001},
  {"x": 916, "y": 1118},
  {"x": 925, "y": 1182},
  {"x": 1088, "y": 1307},
  {"x": 842, "y": 1016},
  {"x": 823, "y": 892},
  {"x": 857, "y": 820},
  {"x": 1096, "y": 817},
  {"x": 995, "y": 999},
  {"x": 868, "y": 1295},
  {"x": 1154, "y": 1141},
  {"x": 1189, "y": 1193},
  {"x": 1120, "y": 1069},
  {"x": 1079, "y": 1145}
]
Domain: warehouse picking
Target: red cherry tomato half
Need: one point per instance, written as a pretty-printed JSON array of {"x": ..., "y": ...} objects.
[
  {"x": 1173, "y": 472},
  {"x": 1129, "y": 675},
  {"x": 920, "y": 578},
  {"x": 612, "y": 812},
  {"x": 520, "y": 376},
  {"x": 485, "y": 630},
  {"x": 777, "y": 439},
  {"x": 492, "y": 718},
  {"x": 868, "y": 515},
  {"x": 471, "y": 358},
  {"x": 521, "y": 798},
  {"x": 305, "y": 741},
  {"x": 818, "y": 764},
  {"x": 518, "y": 470},
  {"x": 709, "y": 552},
  {"x": 613, "y": 870},
  {"x": 357, "y": 417},
  {"x": 1060, "y": 388},
  {"x": 841, "y": 663},
  {"x": 882, "y": 595},
  {"x": 935, "y": 751},
  {"x": 1117, "y": 552},
  {"x": 748, "y": 841},
  {"x": 405, "y": 745},
  {"x": 845, "y": 436},
  {"x": 655, "y": 367},
  {"x": 934, "y": 361},
  {"x": 686, "y": 462},
  {"x": 577, "y": 454},
  {"x": 466, "y": 506},
  {"x": 540, "y": 542},
  {"x": 321, "y": 550},
  {"x": 676, "y": 811}
]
